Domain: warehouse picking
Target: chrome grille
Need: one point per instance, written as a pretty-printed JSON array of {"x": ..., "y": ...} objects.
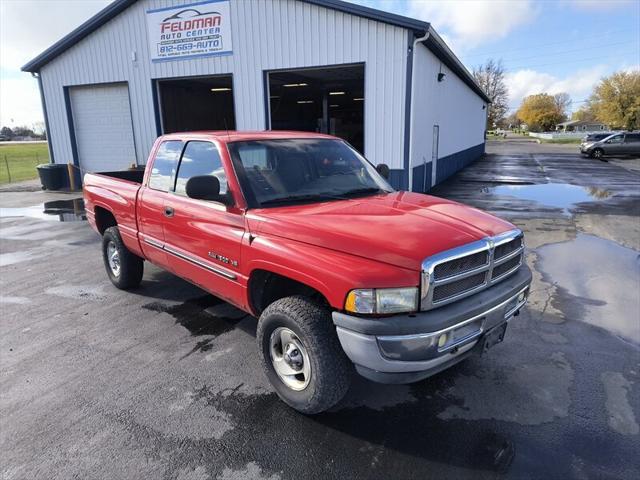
[
  {"x": 507, "y": 248},
  {"x": 455, "y": 288},
  {"x": 506, "y": 266},
  {"x": 463, "y": 271},
  {"x": 460, "y": 265}
]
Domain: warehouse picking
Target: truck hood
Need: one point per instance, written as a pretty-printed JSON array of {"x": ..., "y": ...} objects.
[{"x": 399, "y": 228}]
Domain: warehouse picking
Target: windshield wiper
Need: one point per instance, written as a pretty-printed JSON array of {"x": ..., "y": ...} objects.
[
  {"x": 298, "y": 198},
  {"x": 360, "y": 191},
  {"x": 321, "y": 196}
]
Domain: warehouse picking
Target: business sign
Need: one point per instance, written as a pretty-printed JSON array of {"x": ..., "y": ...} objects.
[{"x": 187, "y": 31}]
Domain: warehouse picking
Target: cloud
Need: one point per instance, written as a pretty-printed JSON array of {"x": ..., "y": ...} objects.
[
  {"x": 597, "y": 5},
  {"x": 27, "y": 27},
  {"x": 19, "y": 101},
  {"x": 470, "y": 23},
  {"x": 578, "y": 85}
]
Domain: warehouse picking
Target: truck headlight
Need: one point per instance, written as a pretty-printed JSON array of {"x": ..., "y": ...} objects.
[{"x": 382, "y": 300}]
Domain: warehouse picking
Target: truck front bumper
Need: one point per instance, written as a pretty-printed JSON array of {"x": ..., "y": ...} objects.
[{"x": 410, "y": 347}]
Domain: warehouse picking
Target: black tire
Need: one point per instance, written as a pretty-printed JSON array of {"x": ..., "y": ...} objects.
[
  {"x": 597, "y": 153},
  {"x": 331, "y": 370},
  {"x": 131, "y": 267}
]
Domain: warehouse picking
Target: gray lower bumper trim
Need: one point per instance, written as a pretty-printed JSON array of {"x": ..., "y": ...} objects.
[
  {"x": 411, "y": 357},
  {"x": 411, "y": 377},
  {"x": 363, "y": 350}
]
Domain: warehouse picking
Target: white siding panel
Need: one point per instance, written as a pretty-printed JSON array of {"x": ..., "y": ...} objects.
[
  {"x": 451, "y": 104},
  {"x": 266, "y": 35}
]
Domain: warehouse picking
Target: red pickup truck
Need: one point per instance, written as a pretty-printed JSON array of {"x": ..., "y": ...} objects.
[{"x": 298, "y": 229}]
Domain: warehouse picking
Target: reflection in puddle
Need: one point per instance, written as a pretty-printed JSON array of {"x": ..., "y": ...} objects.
[
  {"x": 604, "y": 275},
  {"x": 57, "y": 210},
  {"x": 560, "y": 195},
  {"x": 206, "y": 315}
]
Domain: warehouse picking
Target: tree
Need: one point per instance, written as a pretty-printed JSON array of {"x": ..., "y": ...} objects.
[
  {"x": 563, "y": 104},
  {"x": 616, "y": 100},
  {"x": 584, "y": 113},
  {"x": 23, "y": 131},
  {"x": 38, "y": 128},
  {"x": 490, "y": 77},
  {"x": 6, "y": 132},
  {"x": 540, "y": 112},
  {"x": 512, "y": 121}
]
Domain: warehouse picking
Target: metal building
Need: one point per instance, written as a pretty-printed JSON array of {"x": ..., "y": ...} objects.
[{"x": 387, "y": 84}]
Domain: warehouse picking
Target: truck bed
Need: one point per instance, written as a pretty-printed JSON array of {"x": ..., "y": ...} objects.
[
  {"x": 114, "y": 194},
  {"x": 135, "y": 176}
]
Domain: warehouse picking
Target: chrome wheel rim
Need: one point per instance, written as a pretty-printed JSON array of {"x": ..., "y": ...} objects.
[
  {"x": 113, "y": 257},
  {"x": 597, "y": 154},
  {"x": 290, "y": 359}
]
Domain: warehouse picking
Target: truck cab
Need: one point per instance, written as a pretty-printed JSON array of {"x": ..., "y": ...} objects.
[{"x": 345, "y": 274}]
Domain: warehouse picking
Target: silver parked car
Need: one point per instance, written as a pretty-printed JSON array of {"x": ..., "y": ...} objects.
[{"x": 617, "y": 144}]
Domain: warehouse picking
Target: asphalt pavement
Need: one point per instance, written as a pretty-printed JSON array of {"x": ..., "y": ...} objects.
[{"x": 164, "y": 381}]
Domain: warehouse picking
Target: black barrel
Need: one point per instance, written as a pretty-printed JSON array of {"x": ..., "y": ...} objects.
[{"x": 53, "y": 176}]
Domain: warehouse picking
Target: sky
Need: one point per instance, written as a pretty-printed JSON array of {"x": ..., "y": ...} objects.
[{"x": 547, "y": 46}]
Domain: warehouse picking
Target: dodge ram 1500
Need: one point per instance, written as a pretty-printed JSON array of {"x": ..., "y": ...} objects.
[{"x": 343, "y": 272}]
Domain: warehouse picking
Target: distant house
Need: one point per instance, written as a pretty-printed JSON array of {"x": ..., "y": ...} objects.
[{"x": 581, "y": 126}]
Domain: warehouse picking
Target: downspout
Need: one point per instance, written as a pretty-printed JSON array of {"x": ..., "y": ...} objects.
[
  {"x": 413, "y": 99},
  {"x": 46, "y": 117}
]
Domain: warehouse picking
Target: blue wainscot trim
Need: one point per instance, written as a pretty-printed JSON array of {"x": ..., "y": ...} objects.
[
  {"x": 450, "y": 164},
  {"x": 398, "y": 179},
  {"x": 419, "y": 182}
]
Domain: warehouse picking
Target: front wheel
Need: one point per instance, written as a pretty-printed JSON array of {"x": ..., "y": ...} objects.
[
  {"x": 123, "y": 267},
  {"x": 597, "y": 153},
  {"x": 302, "y": 356}
]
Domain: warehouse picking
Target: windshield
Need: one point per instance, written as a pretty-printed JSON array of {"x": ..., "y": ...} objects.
[
  {"x": 614, "y": 136},
  {"x": 596, "y": 137},
  {"x": 276, "y": 172}
]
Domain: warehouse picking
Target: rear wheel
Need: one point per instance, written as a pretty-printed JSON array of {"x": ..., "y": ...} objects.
[
  {"x": 302, "y": 356},
  {"x": 123, "y": 267},
  {"x": 597, "y": 153}
]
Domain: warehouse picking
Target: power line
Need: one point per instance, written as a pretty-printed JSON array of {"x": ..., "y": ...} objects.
[
  {"x": 590, "y": 36},
  {"x": 605, "y": 45},
  {"x": 512, "y": 69}
]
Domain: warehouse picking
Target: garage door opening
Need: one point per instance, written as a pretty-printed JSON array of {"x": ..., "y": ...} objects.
[
  {"x": 203, "y": 103},
  {"x": 324, "y": 100}
]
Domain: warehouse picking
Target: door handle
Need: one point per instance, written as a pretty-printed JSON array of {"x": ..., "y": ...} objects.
[{"x": 168, "y": 211}]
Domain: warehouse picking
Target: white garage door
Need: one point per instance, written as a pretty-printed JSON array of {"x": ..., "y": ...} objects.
[{"x": 103, "y": 127}]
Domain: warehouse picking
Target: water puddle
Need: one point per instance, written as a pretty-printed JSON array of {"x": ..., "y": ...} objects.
[
  {"x": 206, "y": 315},
  {"x": 57, "y": 210},
  {"x": 559, "y": 195},
  {"x": 604, "y": 275}
]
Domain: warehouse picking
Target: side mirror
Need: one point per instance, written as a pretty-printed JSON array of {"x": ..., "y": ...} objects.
[
  {"x": 383, "y": 169},
  {"x": 204, "y": 187}
]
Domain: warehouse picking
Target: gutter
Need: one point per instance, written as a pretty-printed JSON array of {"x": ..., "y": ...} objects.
[
  {"x": 413, "y": 99},
  {"x": 46, "y": 116}
]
